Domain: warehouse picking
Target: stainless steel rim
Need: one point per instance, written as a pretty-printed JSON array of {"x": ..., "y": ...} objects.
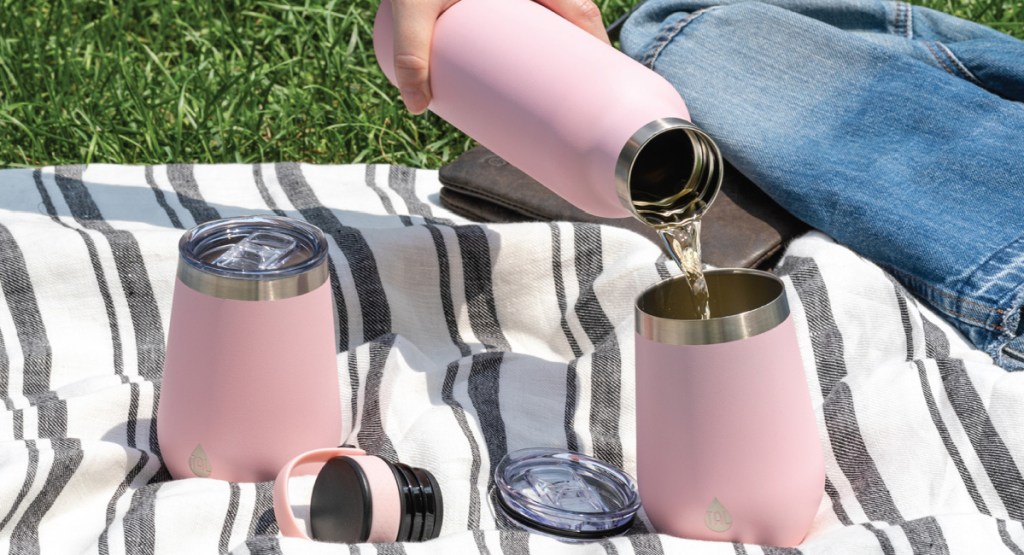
[
  {"x": 252, "y": 286},
  {"x": 250, "y": 289},
  {"x": 744, "y": 303},
  {"x": 705, "y": 176}
]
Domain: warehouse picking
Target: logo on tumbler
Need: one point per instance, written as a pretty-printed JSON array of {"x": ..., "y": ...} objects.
[
  {"x": 198, "y": 463},
  {"x": 717, "y": 519}
]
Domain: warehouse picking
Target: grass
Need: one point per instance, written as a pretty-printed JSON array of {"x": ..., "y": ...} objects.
[{"x": 156, "y": 81}]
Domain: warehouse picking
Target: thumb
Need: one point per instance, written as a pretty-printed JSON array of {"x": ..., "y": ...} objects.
[{"x": 413, "y": 22}]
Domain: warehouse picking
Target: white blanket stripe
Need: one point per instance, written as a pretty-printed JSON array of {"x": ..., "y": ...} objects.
[{"x": 457, "y": 343}]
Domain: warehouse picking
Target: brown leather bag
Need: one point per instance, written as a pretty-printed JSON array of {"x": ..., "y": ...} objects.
[{"x": 743, "y": 228}]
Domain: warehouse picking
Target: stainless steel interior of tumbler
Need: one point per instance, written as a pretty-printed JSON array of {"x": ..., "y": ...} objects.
[{"x": 743, "y": 303}]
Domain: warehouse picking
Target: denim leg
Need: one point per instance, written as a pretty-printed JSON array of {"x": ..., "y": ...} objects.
[{"x": 897, "y": 130}]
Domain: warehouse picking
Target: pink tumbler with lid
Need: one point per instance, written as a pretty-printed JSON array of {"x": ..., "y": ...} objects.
[
  {"x": 588, "y": 122},
  {"x": 727, "y": 441},
  {"x": 250, "y": 377}
]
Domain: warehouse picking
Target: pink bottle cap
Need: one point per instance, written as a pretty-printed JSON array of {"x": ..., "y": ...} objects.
[{"x": 358, "y": 498}]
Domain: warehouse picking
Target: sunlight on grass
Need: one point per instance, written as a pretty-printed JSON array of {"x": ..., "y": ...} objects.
[{"x": 155, "y": 81}]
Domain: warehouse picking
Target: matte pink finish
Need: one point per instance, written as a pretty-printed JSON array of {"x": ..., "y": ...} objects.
[
  {"x": 387, "y": 505},
  {"x": 301, "y": 465},
  {"x": 541, "y": 93},
  {"x": 731, "y": 422},
  {"x": 254, "y": 383}
]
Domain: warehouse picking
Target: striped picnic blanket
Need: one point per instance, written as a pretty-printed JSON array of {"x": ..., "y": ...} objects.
[{"x": 457, "y": 343}]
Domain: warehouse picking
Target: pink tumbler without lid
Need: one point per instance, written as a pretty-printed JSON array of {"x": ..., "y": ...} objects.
[
  {"x": 727, "y": 442},
  {"x": 250, "y": 376},
  {"x": 588, "y": 122}
]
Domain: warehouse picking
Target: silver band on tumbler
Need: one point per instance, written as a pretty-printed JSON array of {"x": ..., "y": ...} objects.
[
  {"x": 201, "y": 243},
  {"x": 744, "y": 303},
  {"x": 249, "y": 289}
]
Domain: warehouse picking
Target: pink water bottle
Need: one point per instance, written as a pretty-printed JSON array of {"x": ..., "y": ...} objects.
[
  {"x": 590, "y": 123},
  {"x": 250, "y": 376}
]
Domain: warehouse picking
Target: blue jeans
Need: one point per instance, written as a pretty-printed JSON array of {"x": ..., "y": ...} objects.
[{"x": 897, "y": 130}]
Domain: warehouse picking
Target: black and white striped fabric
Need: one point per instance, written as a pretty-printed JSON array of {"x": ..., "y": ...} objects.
[{"x": 457, "y": 343}]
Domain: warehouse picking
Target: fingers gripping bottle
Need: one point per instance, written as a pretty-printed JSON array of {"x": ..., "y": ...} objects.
[{"x": 588, "y": 122}]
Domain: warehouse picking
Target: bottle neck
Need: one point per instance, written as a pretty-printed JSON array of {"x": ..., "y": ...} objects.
[{"x": 668, "y": 172}]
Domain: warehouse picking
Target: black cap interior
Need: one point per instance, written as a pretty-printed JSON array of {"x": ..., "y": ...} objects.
[{"x": 341, "y": 508}]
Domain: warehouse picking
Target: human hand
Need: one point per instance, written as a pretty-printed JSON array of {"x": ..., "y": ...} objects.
[{"x": 413, "y": 23}]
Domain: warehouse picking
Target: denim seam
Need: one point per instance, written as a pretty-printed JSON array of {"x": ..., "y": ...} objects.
[
  {"x": 921, "y": 284},
  {"x": 897, "y": 14},
  {"x": 1000, "y": 321},
  {"x": 945, "y": 57},
  {"x": 901, "y": 20},
  {"x": 960, "y": 66},
  {"x": 1014, "y": 298},
  {"x": 910, "y": 20},
  {"x": 666, "y": 36},
  {"x": 938, "y": 58}
]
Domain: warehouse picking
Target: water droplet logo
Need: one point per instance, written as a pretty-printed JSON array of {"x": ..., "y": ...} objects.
[
  {"x": 198, "y": 463},
  {"x": 717, "y": 519}
]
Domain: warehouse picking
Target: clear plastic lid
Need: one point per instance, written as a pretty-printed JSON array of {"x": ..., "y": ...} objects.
[
  {"x": 254, "y": 247},
  {"x": 565, "y": 494},
  {"x": 253, "y": 258}
]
